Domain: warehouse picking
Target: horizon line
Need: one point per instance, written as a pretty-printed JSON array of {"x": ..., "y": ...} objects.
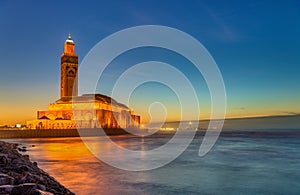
[{"x": 231, "y": 118}]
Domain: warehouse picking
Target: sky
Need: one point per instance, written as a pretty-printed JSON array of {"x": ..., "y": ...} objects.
[{"x": 254, "y": 43}]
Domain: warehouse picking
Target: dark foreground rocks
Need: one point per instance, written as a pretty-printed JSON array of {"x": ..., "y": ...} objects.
[{"x": 19, "y": 176}]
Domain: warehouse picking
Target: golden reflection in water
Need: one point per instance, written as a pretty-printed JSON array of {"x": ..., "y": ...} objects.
[
  {"x": 66, "y": 166},
  {"x": 72, "y": 164}
]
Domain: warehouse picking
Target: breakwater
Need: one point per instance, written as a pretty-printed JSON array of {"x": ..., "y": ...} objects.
[
  {"x": 18, "y": 175},
  {"x": 47, "y": 133}
]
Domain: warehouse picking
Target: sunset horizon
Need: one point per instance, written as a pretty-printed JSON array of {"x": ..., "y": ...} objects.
[
  {"x": 28, "y": 113},
  {"x": 149, "y": 97},
  {"x": 257, "y": 57}
]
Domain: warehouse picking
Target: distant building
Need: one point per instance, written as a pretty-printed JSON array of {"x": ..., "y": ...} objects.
[{"x": 92, "y": 110}]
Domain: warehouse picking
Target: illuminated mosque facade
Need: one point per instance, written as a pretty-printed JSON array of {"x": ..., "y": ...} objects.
[{"x": 91, "y": 110}]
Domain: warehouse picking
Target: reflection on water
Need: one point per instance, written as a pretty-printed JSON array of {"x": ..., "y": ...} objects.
[
  {"x": 72, "y": 164},
  {"x": 266, "y": 164}
]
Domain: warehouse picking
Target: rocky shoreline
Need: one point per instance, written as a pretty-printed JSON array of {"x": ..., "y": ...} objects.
[{"x": 18, "y": 175}]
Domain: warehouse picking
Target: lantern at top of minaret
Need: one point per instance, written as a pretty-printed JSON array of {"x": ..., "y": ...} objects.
[{"x": 69, "y": 46}]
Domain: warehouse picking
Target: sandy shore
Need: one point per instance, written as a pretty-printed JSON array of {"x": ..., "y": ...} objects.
[{"x": 18, "y": 175}]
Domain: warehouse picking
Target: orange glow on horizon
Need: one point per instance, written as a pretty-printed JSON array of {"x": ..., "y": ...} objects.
[{"x": 11, "y": 115}]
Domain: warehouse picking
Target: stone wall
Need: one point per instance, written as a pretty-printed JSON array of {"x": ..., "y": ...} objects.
[
  {"x": 4, "y": 134},
  {"x": 64, "y": 119}
]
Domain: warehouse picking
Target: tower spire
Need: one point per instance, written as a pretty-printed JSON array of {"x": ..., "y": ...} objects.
[
  {"x": 69, "y": 36},
  {"x": 69, "y": 40},
  {"x": 69, "y": 67}
]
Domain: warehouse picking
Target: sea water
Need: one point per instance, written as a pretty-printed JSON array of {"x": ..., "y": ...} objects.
[{"x": 241, "y": 162}]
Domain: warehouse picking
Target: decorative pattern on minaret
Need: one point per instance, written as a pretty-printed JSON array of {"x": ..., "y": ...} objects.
[{"x": 69, "y": 67}]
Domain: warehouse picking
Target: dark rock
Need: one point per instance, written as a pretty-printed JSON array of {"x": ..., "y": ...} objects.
[
  {"x": 23, "y": 168},
  {"x": 17, "y": 161},
  {"x": 16, "y": 176},
  {"x": 6, "y": 189},
  {"x": 20, "y": 176},
  {"x": 6, "y": 179},
  {"x": 42, "y": 192},
  {"x": 30, "y": 178},
  {"x": 3, "y": 159},
  {"x": 22, "y": 149},
  {"x": 26, "y": 188},
  {"x": 41, "y": 187}
]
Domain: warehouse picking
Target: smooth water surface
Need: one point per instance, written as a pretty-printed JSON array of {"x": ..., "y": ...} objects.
[{"x": 240, "y": 163}]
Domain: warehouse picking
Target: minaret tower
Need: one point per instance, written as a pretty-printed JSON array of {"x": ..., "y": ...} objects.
[{"x": 68, "y": 72}]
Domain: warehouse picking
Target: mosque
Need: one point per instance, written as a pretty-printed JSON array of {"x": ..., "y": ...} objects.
[{"x": 91, "y": 110}]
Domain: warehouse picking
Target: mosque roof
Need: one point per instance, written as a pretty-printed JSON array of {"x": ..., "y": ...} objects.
[
  {"x": 44, "y": 117},
  {"x": 88, "y": 98}
]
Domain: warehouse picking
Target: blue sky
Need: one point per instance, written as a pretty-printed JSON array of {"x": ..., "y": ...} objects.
[{"x": 254, "y": 43}]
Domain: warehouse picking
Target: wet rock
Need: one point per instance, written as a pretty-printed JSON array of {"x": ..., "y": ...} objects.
[
  {"x": 26, "y": 156},
  {"x": 22, "y": 149},
  {"x": 20, "y": 176},
  {"x": 27, "y": 188},
  {"x": 15, "y": 146},
  {"x": 16, "y": 176},
  {"x": 17, "y": 161},
  {"x": 41, "y": 192},
  {"x": 31, "y": 178},
  {"x": 23, "y": 168},
  {"x": 24, "y": 189},
  {"x": 6, "y": 189},
  {"x": 6, "y": 179},
  {"x": 40, "y": 187},
  {"x": 3, "y": 159}
]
